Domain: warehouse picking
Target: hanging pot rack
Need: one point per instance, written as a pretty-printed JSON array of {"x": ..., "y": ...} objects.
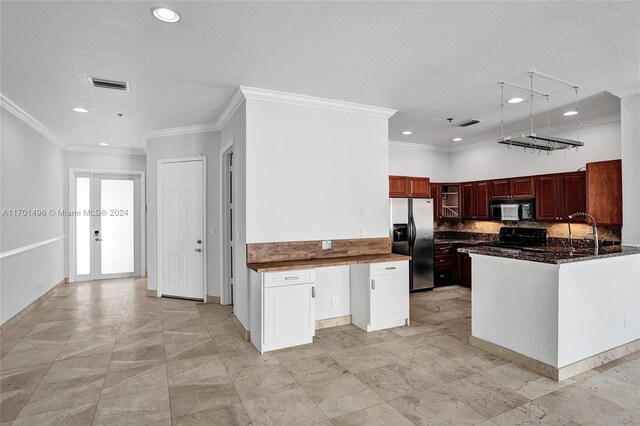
[{"x": 531, "y": 140}]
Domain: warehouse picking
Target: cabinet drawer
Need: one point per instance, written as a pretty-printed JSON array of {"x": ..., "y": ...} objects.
[
  {"x": 389, "y": 268},
  {"x": 443, "y": 250},
  {"x": 275, "y": 279},
  {"x": 443, "y": 277},
  {"x": 444, "y": 262}
]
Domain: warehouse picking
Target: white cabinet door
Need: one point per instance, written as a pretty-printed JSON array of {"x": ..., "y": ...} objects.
[
  {"x": 289, "y": 314},
  {"x": 389, "y": 299}
]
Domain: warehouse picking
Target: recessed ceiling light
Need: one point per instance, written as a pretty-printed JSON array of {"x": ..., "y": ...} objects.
[
  {"x": 515, "y": 100},
  {"x": 570, "y": 113},
  {"x": 80, "y": 109},
  {"x": 407, "y": 132},
  {"x": 457, "y": 139},
  {"x": 104, "y": 144},
  {"x": 165, "y": 15}
]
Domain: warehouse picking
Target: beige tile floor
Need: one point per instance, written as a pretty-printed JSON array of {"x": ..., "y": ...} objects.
[{"x": 104, "y": 353}]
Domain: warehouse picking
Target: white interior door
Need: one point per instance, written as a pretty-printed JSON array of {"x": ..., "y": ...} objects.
[
  {"x": 115, "y": 233},
  {"x": 181, "y": 229}
]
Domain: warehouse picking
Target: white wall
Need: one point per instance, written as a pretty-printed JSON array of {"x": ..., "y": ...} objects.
[
  {"x": 95, "y": 161},
  {"x": 310, "y": 170},
  {"x": 31, "y": 177},
  {"x": 601, "y": 142},
  {"x": 330, "y": 282},
  {"x": 408, "y": 160},
  {"x": 630, "y": 119},
  {"x": 235, "y": 129},
  {"x": 179, "y": 146}
]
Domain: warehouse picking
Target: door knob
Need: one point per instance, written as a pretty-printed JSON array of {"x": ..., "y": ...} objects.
[
  {"x": 198, "y": 250},
  {"x": 199, "y": 241}
]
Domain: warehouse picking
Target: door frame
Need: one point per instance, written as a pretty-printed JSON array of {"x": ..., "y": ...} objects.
[
  {"x": 71, "y": 249},
  {"x": 159, "y": 165},
  {"x": 225, "y": 287}
]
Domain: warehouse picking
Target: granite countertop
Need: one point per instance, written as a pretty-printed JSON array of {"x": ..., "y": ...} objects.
[
  {"x": 553, "y": 254},
  {"x": 442, "y": 241},
  {"x": 288, "y": 265}
]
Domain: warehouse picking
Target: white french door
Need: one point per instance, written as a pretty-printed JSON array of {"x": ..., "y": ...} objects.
[
  {"x": 181, "y": 225},
  {"x": 106, "y": 228}
]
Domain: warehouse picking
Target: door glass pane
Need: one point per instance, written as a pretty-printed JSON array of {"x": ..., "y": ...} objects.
[
  {"x": 83, "y": 227},
  {"x": 117, "y": 232}
]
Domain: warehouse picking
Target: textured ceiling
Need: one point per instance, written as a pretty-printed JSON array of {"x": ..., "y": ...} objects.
[{"x": 428, "y": 60}]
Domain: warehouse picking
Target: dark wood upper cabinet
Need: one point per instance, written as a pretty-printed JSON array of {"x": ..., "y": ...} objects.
[
  {"x": 404, "y": 186},
  {"x": 482, "y": 200},
  {"x": 418, "y": 187},
  {"x": 523, "y": 187},
  {"x": 501, "y": 188},
  {"x": 574, "y": 197},
  {"x": 398, "y": 186},
  {"x": 435, "y": 194},
  {"x": 475, "y": 200},
  {"x": 549, "y": 200},
  {"x": 468, "y": 200},
  {"x": 560, "y": 195},
  {"x": 604, "y": 192}
]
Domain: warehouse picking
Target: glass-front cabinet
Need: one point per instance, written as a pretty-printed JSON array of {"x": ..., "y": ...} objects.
[{"x": 450, "y": 202}]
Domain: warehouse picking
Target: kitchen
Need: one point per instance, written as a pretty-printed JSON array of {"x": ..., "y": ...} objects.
[{"x": 344, "y": 213}]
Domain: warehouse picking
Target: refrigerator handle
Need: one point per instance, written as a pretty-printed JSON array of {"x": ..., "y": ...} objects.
[{"x": 413, "y": 232}]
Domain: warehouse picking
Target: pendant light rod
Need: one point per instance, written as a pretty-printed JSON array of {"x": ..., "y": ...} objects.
[
  {"x": 528, "y": 89},
  {"x": 552, "y": 78}
]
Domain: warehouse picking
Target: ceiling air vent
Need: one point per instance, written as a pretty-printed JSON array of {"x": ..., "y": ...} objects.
[
  {"x": 467, "y": 123},
  {"x": 109, "y": 84}
]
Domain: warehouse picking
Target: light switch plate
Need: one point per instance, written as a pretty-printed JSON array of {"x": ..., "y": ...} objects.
[
  {"x": 363, "y": 211},
  {"x": 326, "y": 245}
]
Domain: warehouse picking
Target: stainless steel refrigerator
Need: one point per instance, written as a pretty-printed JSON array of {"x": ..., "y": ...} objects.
[{"x": 411, "y": 233}]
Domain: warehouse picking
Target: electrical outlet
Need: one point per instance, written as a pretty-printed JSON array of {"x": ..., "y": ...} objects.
[
  {"x": 40, "y": 284},
  {"x": 334, "y": 301},
  {"x": 212, "y": 231},
  {"x": 364, "y": 232},
  {"x": 326, "y": 245},
  {"x": 363, "y": 211}
]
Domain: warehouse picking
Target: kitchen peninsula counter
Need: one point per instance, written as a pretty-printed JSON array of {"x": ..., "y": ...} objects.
[
  {"x": 556, "y": 312},
  {"x": 553, "y": 254}
]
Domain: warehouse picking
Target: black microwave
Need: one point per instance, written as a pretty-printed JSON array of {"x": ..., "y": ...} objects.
[{"x": 512, "y": 210}]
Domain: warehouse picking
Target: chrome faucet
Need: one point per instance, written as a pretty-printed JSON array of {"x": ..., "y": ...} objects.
[{"x": 593, "y": 224}]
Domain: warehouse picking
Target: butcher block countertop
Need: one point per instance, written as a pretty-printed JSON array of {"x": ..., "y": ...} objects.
[{"x": 288, "y": 265}]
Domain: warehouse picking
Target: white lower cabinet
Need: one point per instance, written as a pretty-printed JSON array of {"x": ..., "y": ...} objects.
[
  {"x": 286, "y": 314},
  {"x": 380, "y": 295}
]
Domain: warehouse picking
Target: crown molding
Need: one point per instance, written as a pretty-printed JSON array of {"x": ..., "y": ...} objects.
[
  {"x": 624, "y": 90},
  {"x": 232, "y": 106},
  {"x": 105, "y": 150},
  {"x": 174, "y": 131},
  {"x": 244, "y": 92},
  {"x": 28, "y": 119},
  {"x": 419, "y": 146},
  {"x": 312, "y": 101}
]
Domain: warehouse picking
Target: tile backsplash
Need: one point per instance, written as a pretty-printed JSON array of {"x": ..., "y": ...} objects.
[{"x": 554, "y": 230}]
